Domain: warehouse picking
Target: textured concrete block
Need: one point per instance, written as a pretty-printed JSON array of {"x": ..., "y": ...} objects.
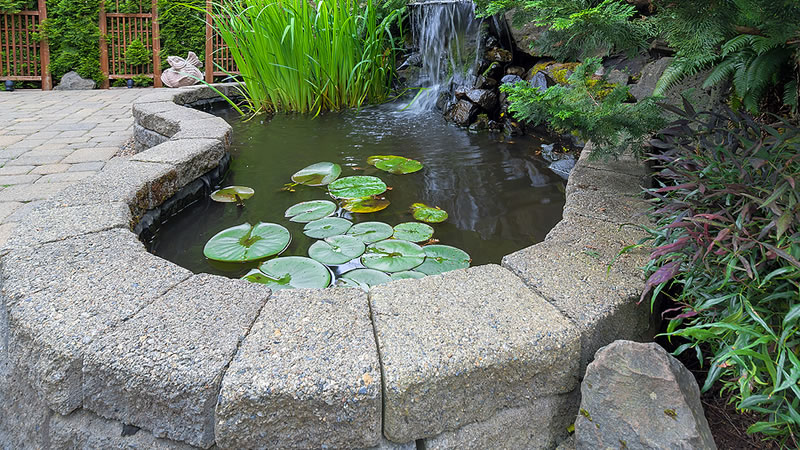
[
  {"x": 627, "y": 163},
  {"x": 211, "y": 128},
  {"x": 307, "y": 376},
  {"x": 144, "y": 138},
  {"x": 618, "y": 209},
  {"x": 458, "y": 347},
  {"x": 601, "y": 301},
  {"x": 85, "y": 430},
  {"x": 24, "y": 415},
  {"x": 583, "y": 178},
  {"x": 165, "y": 118},
  {"x": 63, "y": 295},
  {"x": 190, "y": 157},
  {"x": 48, "y": 224},
  {"x": 162, "y": 369},
  {"x": 540, "y": 426},
  {"x": 140, "y": 185}
]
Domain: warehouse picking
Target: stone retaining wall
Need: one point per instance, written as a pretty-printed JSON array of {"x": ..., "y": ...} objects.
[{"x": 103, "y": 345}]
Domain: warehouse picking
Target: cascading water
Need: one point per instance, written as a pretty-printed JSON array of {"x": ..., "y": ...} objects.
[{"x": 448, "y": 37}]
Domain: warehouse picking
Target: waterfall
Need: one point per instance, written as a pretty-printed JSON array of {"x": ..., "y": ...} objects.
[{"x": 448, "y": 37}]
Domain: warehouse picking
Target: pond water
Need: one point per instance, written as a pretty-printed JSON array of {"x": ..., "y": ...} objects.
[{"x": 500, "y": 197}]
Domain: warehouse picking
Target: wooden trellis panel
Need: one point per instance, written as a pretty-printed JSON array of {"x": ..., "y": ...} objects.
[
  {"x": 22, "y": 56},
  {"x": 219, "y": 61},
  {"x": 118, "y": 30}
]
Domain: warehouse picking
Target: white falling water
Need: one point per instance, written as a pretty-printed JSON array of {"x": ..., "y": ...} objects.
[{"x": 448, "y": 37}]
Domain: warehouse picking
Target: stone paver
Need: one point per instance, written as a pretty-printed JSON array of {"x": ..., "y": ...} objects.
[{"x": 52, "y": 139}]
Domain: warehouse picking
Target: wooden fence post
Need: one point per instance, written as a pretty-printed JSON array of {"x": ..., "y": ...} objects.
[
  {"x": 104, "y": 45},
  {"x": 156, "y": 48},
  {"x": 44, "y": 51},
  {"x": 209, "y": 45}
]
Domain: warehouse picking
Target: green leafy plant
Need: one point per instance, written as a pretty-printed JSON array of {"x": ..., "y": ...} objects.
[
  {"x": 15, "y": 6},
  {"x": 588, "y": 108},
  {"x": 74, "y": 36},
  {"x": 726, "y": 250},
  {"x": 183, "y": 28},
  {"x": 136, "y": 54},
  {"x": 295, "y": 56}
]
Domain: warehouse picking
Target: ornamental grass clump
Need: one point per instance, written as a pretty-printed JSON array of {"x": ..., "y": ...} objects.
[
  {"x": 304, "y": 56},
  {"x": 726, "y": 252}
]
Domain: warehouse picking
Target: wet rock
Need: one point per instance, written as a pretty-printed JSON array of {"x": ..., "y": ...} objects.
[
  {"x": 555, "y": 72},
  {"x": 71, "y": 81},
  {"x": 515, "y": 70},
  {"x": 413, "y": 60},
  {"x": 563, "y": 167},
  {"x": 638, "y": 396},
  {"x": 485, "y": 83},
  {"x": 486, "y": 99},
  {"x": 462, "y": 113},
  {"x": 499, "y": 55},
  {"x": 510, "y": 79},
  {"x": 513, "y": 128},
  {"x": 524, "y": 32},
  {"x": 443, "y": 101},
  {"x": 461, "y": 92},
  {"x": 650, "y": 75},
  {"x": 539, "y": 81},
  {"x": 480, "y": 124},
  {"x": 494, "y": 70}
]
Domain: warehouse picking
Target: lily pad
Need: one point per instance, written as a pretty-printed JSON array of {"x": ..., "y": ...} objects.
[
  {"x": 319, "y": 174},
  {"x": 327, "y": 227},
  {"x": 365, "y": 204},
  {"x": 232, "y": 194},
  {"x": 309, "y": 211},
  {"x": 357, "y": 187},
  {"x": 408, "y": 275},
  {"x": 336, "y": 250},
  {"x": 369, "y": 232},
  {"x": 247, "y": 242},
  {"x": 425, "y": 213},
  {"x": 360, "y": 277},
  {"x": 291, "y": 272},
  {"x": 393, "y": 255},
  {"x": 443, "y": 258},
  {"x": 397, "y": 165},
  {"x": 413, "y": 231}
]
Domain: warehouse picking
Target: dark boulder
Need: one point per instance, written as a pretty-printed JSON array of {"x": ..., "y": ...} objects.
[
  {"x": 462, "y": 113},
  {"x": 499, "y": 55},
  {"x": 485, "y": 98},
  {"x": 510, "y": 79}
]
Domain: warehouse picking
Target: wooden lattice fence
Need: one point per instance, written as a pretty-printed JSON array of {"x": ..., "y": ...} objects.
[
  {"x": 24, "y": 53},
  {"x": 219, "y": 61},
  {"x": 118, "y": 30}
]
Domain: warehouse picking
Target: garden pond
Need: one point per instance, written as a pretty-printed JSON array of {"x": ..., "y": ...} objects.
[{"x": 498, "y": 194}]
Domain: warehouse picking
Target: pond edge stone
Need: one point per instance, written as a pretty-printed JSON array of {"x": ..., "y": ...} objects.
[{"x": 77, "y": 390}]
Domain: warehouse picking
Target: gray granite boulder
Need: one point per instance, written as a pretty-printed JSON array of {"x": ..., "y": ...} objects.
[
  {"x": 71, "y": 81},
  {"x": 306, "y": 376},
  {"x": 638, "y": 396},
  {"x": 457, "y": 348}
]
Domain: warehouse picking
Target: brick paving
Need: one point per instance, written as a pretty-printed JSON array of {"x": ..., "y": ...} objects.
[{"x": 52, "y": 139}]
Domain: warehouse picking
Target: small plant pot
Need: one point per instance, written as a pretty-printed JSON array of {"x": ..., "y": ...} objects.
[
  {"x": 9, "y": 85},
  {"x": 129, "y": 83}
]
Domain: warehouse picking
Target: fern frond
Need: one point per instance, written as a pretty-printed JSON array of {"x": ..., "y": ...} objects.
[
  {"x": 680, "y": 69},
  {"x": 791, "y": 94},
  {"x": 738, "y": 43},
  {"x": 723, "y": 70},
  {"x": 763, "y": 44}
]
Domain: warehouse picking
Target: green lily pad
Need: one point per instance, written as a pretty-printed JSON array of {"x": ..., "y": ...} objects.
[
  {"x": 443, "y": 258},
  {"x": 309, "y": 211},
  {"x": 327, "y": 227},
  {"x": 357, "y": 187},
  {"x": 360, "y": 277},
  {"x": 425, "y": 213},
  {"x": 232, "y": 194},
  {"x": 397, "y": 165},
  {"x": 408, "y": 275},
  {"x": 247, "y": 242},
  {"x": 336, "y": 250},
  {"x": 393, "y": 255},
  {"x": 365, "y": 204},
  {"x": 319, "y": 174},
  {"x": 290, "y": 272},
  {"x": 413, "y": 232},
  {"x": 370, "y": 232}
]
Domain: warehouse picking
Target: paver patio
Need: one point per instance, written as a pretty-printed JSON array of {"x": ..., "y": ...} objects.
[{"x": 52, "y": 139}]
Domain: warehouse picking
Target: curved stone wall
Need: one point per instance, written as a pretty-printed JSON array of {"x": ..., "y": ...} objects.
[{"x": 103, "y": 345}]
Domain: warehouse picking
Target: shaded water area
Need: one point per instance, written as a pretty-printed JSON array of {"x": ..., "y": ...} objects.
[{"x": 499, "y": 195}]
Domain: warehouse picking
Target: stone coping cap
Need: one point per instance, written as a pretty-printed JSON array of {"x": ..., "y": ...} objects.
[{"x": 95, "y": 321}]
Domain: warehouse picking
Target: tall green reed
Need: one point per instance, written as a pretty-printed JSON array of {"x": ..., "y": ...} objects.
[{"x": 294, "y": 55}]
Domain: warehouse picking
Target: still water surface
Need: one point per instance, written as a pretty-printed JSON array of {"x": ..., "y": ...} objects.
[{"x": 499, "y": 195}]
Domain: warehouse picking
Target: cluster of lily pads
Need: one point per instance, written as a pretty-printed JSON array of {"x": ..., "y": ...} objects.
[{"x": 375, "y": 252}]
